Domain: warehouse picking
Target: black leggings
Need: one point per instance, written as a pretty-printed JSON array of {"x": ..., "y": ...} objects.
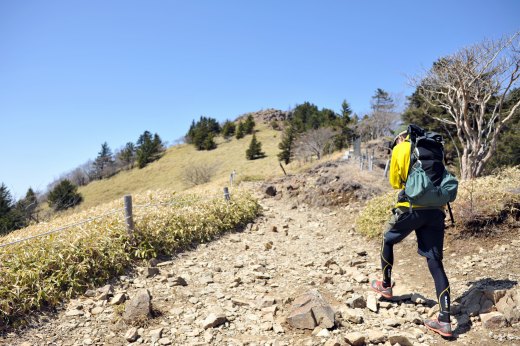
[
  {"x": 442, "y": 286},
  {"x": 429, "y": 228}
]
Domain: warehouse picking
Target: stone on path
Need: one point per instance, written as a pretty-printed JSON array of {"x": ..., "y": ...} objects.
[
  {"x": 152, "y": 271},
  {"x": 138, "y": 308},
  {"x": 357, "y": 301},
  {"x": 352, "y": 315},
  {"x": 310, "y": 310},
  {"x": 400, "y": 339},
  {"x": 118, "y": 299},
  {"x": 74, "y": 312},
  {"x": 177, "y": 281},
  {"x": 270, "y": 191},
  {"x": 355, "y": 339},
  {"x": 97, "y": 310},
  {"x": 214, "y": 320},
  {"x": 376, "y": 336},
  {"x": 509, "y": 305},
  {"x": 131, "y": 334},
  {"x": 493, "y": 320},
  {"x": 105, "y": 292},
  {"x": 372, "y": 303}
]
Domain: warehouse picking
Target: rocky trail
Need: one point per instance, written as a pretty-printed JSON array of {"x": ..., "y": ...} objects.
[{"x": 241, "y": 288}]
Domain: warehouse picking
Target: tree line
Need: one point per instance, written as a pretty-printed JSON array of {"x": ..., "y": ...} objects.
[
  {"x": 310, "y": 132},
  {"x": 63, "y": 192},
  {"x": 202, "y": 134}
]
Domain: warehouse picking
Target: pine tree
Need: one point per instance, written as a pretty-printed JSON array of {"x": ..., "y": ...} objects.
[
  {"x": 249, "y": 125},
  {"x": 285, "y": 145},
  {"x": 104, "y": 162},
  {"x": 25, "y": 210},
  {"x": 209, "y": 142},
  {"x": 127, "y": 155},
  {"x": 228, "y": 129},
  {"x": 6, "y": 200},
  {"x": 6, "y": 207},
  {"x": 346, "y": 112},
  {"x": 148, "y": 148},
  {"x": 64, "y": 195},
  {"x": 345, "y": 134},
  {"x": 241, "y": 132},
  {"x": 255, "y": 149},
  {"x": 202, "y": 133}
]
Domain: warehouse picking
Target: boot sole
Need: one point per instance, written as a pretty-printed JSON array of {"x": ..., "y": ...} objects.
[
  {"x": 387, "y": 296},
  {"x": 439, "y": 332}
]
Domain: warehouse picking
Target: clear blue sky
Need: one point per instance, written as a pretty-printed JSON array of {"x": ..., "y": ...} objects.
[{"x": 74, "y": 74}]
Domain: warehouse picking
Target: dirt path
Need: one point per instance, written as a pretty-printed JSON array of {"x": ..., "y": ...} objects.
[{"x": 252, "y": 276}]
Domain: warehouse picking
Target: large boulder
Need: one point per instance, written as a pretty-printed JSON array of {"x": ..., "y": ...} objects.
[
  {"x": 509, "y": 306},
  {"x": 311, "y": 310},
  {"x": 139, "y": 308},
  {"x": 493, "y": 320}
]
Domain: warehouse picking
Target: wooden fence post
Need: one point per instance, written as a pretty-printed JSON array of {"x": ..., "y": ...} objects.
[
  {"x": 129, "y": 216},
  {"x": 386, "y": 167},
  {"x": 226, "y": 193}
]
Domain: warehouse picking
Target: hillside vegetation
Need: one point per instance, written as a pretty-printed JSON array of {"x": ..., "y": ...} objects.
[
  {"x": 43, "y": 271},
  {"x": 169, "y": 171}
]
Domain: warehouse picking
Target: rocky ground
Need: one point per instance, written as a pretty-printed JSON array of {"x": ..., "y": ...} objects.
[{"x": 241, "y": 288}]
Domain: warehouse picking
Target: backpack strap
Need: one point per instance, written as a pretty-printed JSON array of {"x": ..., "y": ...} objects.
[{"x": 410, "y": 166}]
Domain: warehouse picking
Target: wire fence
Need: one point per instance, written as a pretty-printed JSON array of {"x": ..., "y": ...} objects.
[{"x": 127, "y": 210}]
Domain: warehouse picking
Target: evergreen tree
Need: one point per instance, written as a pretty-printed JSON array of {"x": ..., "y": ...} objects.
[
  {"x": 241, "y": 132},
  {"x": 127, "y": 155},
  {"x": 345, "y": 134},
  {"x": 286, "y": 144},
  {"x": 228, "y": 129},
  {"x": 25, "y": 210},
  {"x": 158, "y": 145},
  {"x": 104, "y": 162},
  {"x": 381, "y": 101},
  {"x": 148, "y": 148},
  {"x": 6, "y": 207},
  {"x": 202, "y": 133},
  {"x": 255, "y": 149},
  {"x": 346, "y": 112},
  {"x": 6, "y": 200},
  {"x": 64, "y": 195},
  {"x": 209, "y": 142},
  {"x": 343, "y": 122},
  {"x": 307, "y": 116},
  {"x": 249, "y": 124}
]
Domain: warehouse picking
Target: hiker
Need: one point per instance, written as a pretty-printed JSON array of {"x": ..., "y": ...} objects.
[{"x": 428, "y": 223}]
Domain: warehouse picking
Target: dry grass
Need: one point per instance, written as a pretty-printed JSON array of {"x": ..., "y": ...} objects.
[
  {"x": 481, "y": 204},
  {"x": 43, "y": 271},
  {"x": 487, "y": 203},
  {"x": 376, "y": 214},
  {"x": 169, "y": 171}
]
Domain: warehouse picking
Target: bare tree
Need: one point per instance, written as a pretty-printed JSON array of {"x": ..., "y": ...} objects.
[
  {"x": 473, "y": 85},
  {"x": 313, "y": 142},
  {"x": 196, "y": 174}
]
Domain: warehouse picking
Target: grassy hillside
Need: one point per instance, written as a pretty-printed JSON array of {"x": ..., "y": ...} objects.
[{"x": 167, "y": 173}]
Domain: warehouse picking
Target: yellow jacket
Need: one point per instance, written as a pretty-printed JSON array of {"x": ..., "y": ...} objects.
[{"x": 399, "y": 165}]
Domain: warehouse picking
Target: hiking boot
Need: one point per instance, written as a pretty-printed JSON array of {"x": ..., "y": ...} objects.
[
  {"x": 443, "y": 328},
  {"x": 377, "y": 286}
]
